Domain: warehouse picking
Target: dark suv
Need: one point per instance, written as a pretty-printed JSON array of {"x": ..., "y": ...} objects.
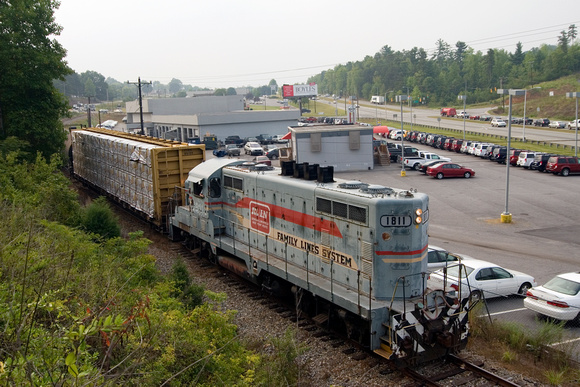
[
  {"x": 499, "y": 154},
  {"x": 540, "y": 161},
  {"x": 542, "y": 122}
]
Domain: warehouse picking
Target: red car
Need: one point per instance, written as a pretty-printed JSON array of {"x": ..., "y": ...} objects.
[
  {"x": 262, "y": 160},
  {"x": 449, "y": 170},
  {"x": 514, "y": 156}
]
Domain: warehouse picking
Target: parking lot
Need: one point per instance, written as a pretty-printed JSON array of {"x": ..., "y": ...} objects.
[{"x": 542, "y": 239}]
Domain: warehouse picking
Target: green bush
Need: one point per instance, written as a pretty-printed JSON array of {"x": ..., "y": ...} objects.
[{"x": 98, "y": 218}]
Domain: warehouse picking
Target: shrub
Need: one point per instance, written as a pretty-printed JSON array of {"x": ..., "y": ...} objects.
[{"x": 99, "y": 219}]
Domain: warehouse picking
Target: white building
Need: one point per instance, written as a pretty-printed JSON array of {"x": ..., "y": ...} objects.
[
  {"x": 185, "y": 118},
  {"x": 344, "y": 147}
]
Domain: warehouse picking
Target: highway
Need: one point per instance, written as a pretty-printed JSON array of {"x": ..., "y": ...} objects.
[{"x": 428, "y": 117}]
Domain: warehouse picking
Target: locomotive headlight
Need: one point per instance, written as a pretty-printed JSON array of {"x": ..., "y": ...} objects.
[{"x": 418, "y": 216}]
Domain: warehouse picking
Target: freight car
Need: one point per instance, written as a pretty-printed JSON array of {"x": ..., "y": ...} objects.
[
  {"x": 138, "y": 171},
  {"x": 353, "y": 255}
]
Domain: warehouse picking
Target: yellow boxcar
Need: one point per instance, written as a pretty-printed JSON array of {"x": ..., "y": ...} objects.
[{"x": 140, "y": 172}]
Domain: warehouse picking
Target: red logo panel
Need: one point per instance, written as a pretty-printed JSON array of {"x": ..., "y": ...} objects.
[{"x": 260, "y": 217}]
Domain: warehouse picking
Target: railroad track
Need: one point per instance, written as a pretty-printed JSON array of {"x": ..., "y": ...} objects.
[
  {"x": 453, "y": 371},
  {"x": 458, "y": 372}
]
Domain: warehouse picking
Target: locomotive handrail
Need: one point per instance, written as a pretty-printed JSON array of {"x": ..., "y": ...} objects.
[{"x": 222, "y": 220}]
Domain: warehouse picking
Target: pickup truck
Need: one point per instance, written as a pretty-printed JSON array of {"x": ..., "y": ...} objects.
[
  {"x": 395, "y": 152},
  {"x": 234, "y": 140},
  {"x": 422, "y": 158},
  {"x": 278, "y": 139}
]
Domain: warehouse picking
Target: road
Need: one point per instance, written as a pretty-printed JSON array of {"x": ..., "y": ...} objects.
[{"x": 428, "y": 117}]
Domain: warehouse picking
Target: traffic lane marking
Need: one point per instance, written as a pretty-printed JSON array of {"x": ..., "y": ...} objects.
[{"x": 503, "y": 312}]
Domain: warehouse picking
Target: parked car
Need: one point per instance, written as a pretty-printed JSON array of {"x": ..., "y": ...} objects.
[
  {"x": 232, "y": 149},
  {"x": 236, "y": 140},
  {"x": 481, "y": 150},
  {"x": 542, "y": 122},
  {"x": 472, "y": 147},
  {"x": 450, "y": 170},
  {"x": 448, "y": 144},
  {"x": 563, "y": 165},
  {"x": 482, "y": 278},
  {"x": 456, "y": 146},
  {"x": 423, "y": 168},
  {"x": 273, "y": 154},
  {"x": 262, "y": 160},
  {"x": 219, "y": 152},
  {"x": 573, "y": 124},
  {"x": 498, "y": 123},
  {"x": 514, "y": 155},
  {"x": 248, "y": 139},
  {"x": 525, "y": 159},
  {"x": 500, "y": 154},
  {"x": 559, "y": 298},
  {"x": 253, "y": 148},
  {"x": 557, "y": 124},
  {"x": 438, "y": 258},
  {"x": 278, "y": 139},
  {"x": 540, "y": 161},
  {"x": 490, "y": 150},
  {"x": 264, "y": 139},
  {"x": 395, "y": 134},
  {"x": 465, "y": 146}
]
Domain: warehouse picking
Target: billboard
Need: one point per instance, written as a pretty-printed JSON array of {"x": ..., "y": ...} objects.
[{"x": 290, "y": 91}]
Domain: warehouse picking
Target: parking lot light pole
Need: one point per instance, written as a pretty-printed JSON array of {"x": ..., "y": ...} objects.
[
  {"x": 575, "y": 95},
  {"x": 506, "y": 217},
  {"x": 401, "y": 98},
  {"x": 464, "y": 98}
]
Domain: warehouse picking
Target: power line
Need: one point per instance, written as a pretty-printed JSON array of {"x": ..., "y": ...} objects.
[
  {"x": 472, "y": 43},
  {"x": 139, "y": 83}
]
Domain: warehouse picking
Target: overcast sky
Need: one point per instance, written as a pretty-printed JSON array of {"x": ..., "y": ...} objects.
[{"x": 247, "y": 43}]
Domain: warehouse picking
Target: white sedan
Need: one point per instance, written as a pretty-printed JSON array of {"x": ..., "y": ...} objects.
[
  {"x": 483, "y": 278},
  {"x": 557, "y": 124},
  {"x": 498, "y": 122},
  {"x": 559, "y": 298}
]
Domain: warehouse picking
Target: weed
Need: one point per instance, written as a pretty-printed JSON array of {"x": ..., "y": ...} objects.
[
  {"x": 555, "y": 378},
  {"x": 509, "y": 356}
]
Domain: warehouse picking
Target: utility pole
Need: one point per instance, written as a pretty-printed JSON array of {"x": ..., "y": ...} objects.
[
  {"x": 139, "y": 83},
  {"x": 502, "y": 97},
  {"x": 89, "y": 112}
]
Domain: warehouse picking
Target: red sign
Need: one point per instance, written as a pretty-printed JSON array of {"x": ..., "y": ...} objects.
[
  {"x": 260, "y": 217},
  {"x": 300, "y": 90},
  {"x": 288, "y": 91}
]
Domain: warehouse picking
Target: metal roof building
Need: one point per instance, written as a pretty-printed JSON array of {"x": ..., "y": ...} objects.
[{"x": 184, "y": 118}]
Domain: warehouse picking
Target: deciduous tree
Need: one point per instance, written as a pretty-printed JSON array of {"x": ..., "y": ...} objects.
[{"x": 30, "y": 59}]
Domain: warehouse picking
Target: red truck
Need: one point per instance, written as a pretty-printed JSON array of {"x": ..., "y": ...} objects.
[
  {"x": 563, "y": 165},
  {"x": 448, "y": 112}
]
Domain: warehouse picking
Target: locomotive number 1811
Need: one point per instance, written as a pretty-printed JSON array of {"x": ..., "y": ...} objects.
[{"x": 396, "y": 221}]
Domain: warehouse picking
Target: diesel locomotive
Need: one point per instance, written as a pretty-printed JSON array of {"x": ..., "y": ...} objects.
[{"x": 352, "y": 255}]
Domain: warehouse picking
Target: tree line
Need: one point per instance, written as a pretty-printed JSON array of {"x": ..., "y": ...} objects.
[{"x": 451, "y": 71}]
